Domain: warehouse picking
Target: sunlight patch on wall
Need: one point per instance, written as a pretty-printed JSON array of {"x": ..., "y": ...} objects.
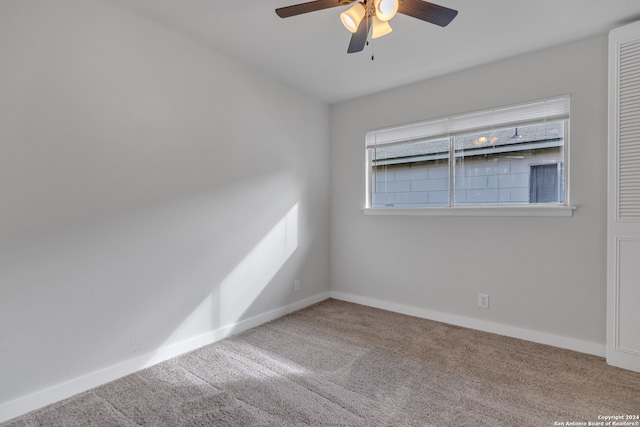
[
  {"x": 228, "y": 300},
  {"x": 247, "y": 280}
]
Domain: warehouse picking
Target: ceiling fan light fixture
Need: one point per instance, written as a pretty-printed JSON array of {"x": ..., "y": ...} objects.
[
  {"x": 380, "y": 28},
  {"x": 386, "y": 9},
  {"x": 352, "y": 17},
  {"x": 480, "y": 141},
  {"x": 362, "y": 15}
]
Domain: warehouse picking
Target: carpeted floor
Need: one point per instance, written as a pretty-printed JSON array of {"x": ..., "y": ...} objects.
[{"x": 342, "y": 364}]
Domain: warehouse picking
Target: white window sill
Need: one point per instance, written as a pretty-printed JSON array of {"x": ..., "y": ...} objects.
[{"x": 520, "y": 210}]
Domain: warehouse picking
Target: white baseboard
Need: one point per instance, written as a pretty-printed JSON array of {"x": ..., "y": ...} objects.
[
  {"x": 67, "y": 389},
  {"x": 482, "y": 325},
  {"x": 22, "y": 405}
]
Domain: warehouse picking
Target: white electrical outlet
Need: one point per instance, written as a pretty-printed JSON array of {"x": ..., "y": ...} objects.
[
  {"x": 296, "y": 285},
  {"x": 483, "y": 300}
]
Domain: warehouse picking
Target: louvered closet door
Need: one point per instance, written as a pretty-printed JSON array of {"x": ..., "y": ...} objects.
[{"x": 623, "y": 264}]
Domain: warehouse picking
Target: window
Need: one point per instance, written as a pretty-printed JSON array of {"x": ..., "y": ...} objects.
[
  {"x": 546, "y": 183},
  {"x": 513, "y": 156}
]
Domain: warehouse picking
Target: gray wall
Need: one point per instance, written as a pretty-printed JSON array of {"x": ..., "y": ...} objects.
[
  {"x": 146, "y": 184},
  {"x": 543, "y": 274}
]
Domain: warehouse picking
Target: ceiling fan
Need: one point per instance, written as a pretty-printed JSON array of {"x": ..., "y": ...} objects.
[{"x": 373, "y": 16}]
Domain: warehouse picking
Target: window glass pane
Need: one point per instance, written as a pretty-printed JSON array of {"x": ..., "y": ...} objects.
[
  {"x": 510, "y": 166},
  {"x": 410, "y": 175},
  {"x": 545, "y": 184}
]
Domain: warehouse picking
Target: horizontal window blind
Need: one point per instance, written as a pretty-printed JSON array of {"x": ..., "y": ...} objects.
[{"x": 556, "y": 108}]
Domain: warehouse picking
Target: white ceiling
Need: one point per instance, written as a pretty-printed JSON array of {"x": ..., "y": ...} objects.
[{"x": 309, "y": 51}]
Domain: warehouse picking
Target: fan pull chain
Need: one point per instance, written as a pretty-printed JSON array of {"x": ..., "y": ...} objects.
[
  {"x": 368, "y": 32},
  {"x": 372, "y": 51}
]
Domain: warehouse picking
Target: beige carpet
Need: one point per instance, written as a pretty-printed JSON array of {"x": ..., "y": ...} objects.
[{"x": 342, "y": 364}]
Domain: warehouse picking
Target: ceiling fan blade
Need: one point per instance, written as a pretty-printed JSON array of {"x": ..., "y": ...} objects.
[
  {"x": 312, "y": 6},
  {"x": 429, "y": 12},
  {"x": 359, "y": 38}
]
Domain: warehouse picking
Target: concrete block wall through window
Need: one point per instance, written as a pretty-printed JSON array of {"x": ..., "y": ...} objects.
[{"x": 487, "y": 179}]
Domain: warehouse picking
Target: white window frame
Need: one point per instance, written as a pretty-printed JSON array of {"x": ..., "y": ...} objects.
[{"x": 550, "y": 109}]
